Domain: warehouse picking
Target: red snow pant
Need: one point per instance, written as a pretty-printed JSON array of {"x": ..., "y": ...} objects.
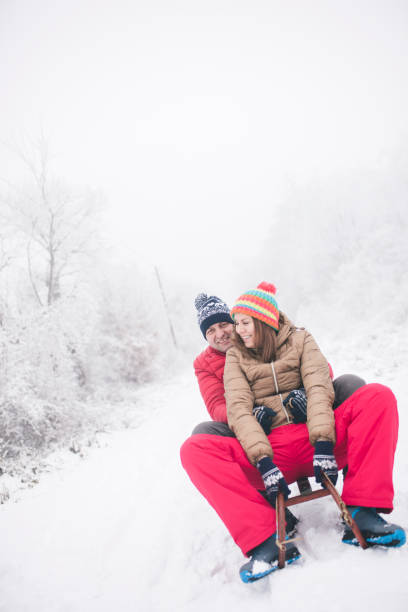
[{"x": 366, "y": 438}]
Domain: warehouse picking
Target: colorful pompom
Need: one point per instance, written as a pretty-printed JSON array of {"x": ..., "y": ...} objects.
[{"x": 269, "y": 287}]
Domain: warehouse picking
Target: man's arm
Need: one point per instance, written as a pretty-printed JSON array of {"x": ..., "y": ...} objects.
[{"x": 212, "y": 390}]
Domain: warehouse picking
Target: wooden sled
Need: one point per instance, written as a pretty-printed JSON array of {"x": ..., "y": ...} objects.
[{"x": 306, "y": 494}]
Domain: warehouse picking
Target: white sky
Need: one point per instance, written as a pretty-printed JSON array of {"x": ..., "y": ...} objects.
[{"x": 194, "y": 116}]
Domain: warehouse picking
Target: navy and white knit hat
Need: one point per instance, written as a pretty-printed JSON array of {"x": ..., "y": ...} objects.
[{"x": 210, "y": 310}]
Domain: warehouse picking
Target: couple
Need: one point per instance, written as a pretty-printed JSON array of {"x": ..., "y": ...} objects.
[{"x": 277, "y": 416}]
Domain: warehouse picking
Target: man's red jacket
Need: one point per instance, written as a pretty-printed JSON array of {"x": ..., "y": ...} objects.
[{"x": 209, "y": 369}]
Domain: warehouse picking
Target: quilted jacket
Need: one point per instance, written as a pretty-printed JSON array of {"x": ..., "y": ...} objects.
[{"x": 247, "y": 381}]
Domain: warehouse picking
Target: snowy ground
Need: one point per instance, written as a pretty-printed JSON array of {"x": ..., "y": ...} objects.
[{"x": 124, "y": 529}]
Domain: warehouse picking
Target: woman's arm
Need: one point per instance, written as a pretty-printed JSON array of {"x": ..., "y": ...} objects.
[
  {"x": 319, "y": 390},
  {"x": 240, "y": 401}
]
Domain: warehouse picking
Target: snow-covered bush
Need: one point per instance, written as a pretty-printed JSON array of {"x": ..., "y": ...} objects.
[
  {"x": 42, "y": 378},
  {"x": 130, "y": 343},
  {"x": 72, "y": 369}
]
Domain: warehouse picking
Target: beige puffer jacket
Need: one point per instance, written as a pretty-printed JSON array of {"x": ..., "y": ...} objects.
[{"x": 299, "y": 363}]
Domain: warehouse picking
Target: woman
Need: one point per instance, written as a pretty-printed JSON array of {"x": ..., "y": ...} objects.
[{"x": 271, "y": 360}]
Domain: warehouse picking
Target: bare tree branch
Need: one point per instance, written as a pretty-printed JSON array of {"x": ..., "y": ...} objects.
[{"x": 30, "y": 273}]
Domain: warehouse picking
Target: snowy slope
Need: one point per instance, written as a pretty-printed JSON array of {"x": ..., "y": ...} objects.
[{"x": 125, "y": 530}]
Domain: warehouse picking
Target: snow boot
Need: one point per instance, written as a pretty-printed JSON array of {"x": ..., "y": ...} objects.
[
  {"x": 374, "y": 528},
  {"x": 264, "y": 559},
  {"x": 291, "y": 523},
  {"x": 290, "y": 519}
]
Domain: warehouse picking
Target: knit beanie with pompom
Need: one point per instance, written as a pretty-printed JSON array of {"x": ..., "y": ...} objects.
[
  {"x": 259, "y": 303},
  {"x": 210, "y": 310}
]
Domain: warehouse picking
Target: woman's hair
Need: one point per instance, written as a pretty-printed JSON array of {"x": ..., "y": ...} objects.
[{"x": 265, "y": 340}]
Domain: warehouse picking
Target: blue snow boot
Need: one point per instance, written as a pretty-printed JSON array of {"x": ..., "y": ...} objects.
[
  {"x": 374, "y": 528},
  {"x": 264, "y": 559},
  {"x": 291, "y": 523}
]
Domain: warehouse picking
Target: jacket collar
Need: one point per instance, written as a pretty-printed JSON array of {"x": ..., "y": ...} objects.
[
  {"x": 285, "y": 330},
  {"x": 214, "y": 351}
]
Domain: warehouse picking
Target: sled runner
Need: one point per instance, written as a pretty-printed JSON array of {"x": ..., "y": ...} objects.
[{"x": 306, "y": 494}]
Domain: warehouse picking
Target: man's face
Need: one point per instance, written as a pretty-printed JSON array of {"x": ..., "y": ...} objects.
[{"x": 219, "y": 336}]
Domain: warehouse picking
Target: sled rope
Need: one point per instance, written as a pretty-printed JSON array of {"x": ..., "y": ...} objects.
[
  {"x": 282, "y": 545},
  {"x": 345, "y": 514}
]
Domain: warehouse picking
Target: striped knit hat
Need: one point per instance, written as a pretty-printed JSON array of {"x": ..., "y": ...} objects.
[{"x": 259, "y": 303}]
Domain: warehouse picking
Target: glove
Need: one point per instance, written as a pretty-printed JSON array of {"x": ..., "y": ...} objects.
[
  {"x": 273, "y": 480},
  {"x": 264, "y": 416},
  {"x": 297, "y": 402},
  {"x": 324, "y": 461}
]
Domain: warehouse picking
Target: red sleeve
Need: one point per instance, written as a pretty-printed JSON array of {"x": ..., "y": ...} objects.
[
  {"x": 212, "y": 390},
  {"x": 331, "y": 371}
]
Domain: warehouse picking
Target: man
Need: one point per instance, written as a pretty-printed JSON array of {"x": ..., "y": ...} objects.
[{"x": 217, "y": 327}]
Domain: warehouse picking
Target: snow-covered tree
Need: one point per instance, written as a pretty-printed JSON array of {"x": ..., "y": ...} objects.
[{"x": 55, "y": 224}]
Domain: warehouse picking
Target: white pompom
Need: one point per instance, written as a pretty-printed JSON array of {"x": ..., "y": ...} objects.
[{"x": 200, "y": 300}]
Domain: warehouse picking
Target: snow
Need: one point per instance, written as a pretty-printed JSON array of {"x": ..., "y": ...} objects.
[{"x": 124, "y": 528}]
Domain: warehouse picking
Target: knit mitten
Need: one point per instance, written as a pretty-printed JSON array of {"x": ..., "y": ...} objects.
[
  {"x": 273, "y": 478},
  {"x": 325, "y": 461},
  {"x": 264, "y": 416},
  {"x": 297, "y": 402}
]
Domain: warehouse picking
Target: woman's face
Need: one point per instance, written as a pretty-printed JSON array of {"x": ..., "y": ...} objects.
[{"x": 245, "y": 328}]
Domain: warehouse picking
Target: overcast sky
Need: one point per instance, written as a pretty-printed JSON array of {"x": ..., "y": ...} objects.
[{"x": 194, "y": 117}]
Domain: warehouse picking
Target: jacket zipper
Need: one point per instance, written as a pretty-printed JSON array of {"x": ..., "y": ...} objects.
[{"x": 277, "y": 390}]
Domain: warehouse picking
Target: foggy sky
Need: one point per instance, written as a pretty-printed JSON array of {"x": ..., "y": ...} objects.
[{"x": 195, "y": 118}]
